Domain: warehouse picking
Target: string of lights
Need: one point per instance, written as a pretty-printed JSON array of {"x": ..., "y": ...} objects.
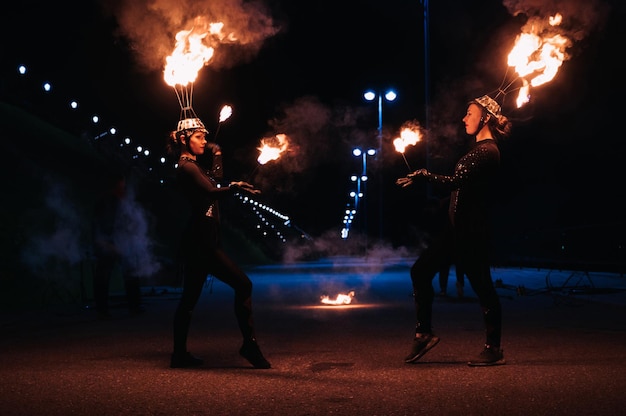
[{"x": 53, "y": 105}]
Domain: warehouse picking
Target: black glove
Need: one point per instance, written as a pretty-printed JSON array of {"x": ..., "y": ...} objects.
[{"x": 213, "y": 147}]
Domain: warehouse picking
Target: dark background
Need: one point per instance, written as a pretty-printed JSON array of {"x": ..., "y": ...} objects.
[{"x": 561, "y": 195}]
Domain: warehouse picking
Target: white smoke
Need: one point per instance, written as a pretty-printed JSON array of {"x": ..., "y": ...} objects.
[
  {"x": 131, "y": 237},
  {"x": 60, "y": 235},
  {"x": 330, "y": 244},
  {"x": 63, "y": 241}
]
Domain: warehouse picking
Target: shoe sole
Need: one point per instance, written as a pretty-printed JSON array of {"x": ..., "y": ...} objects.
[
  {"x": 260, "y": 366},
  {"x": 256, "y": 362},
  {"x": 477, "y": 364},
  {"x": 433, "y": 341}
]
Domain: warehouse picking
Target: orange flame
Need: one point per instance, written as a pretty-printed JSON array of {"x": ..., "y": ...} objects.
[
  {"x": 272, "y": 147},
  {"x": 192, "y": 52},
  {"x": 341, "y": 299},
  {"x": 409, "y": 136},
  {"x": 537, "y": 56}
]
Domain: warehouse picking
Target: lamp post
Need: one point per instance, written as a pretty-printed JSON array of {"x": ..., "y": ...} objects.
[
  {"x": 427, "y": 85},
  {"x": 363, "y": 178},
  {"x": 389, "y": 95},
  {"x": 360, "y": 190}
]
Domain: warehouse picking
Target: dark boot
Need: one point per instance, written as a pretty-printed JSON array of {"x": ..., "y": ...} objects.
[
  {"x": 250, "y": 351},
  {"x": 493, "y": 325}
]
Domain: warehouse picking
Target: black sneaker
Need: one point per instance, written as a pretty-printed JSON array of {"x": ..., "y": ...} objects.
[
  {"x": 489, "y": 356},
  {"x": 185, "y": 360},
  {"x": 250, "y": 351},
  {"x": 421, "y": 345}
]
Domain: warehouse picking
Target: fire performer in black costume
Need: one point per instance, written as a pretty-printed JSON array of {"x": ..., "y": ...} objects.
[
  {"x": 467, "y": 235},
  {"x": 201, "y": 248}
]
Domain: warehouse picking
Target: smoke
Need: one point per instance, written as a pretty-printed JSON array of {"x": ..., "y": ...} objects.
[
  {"x": 318, "y": 135},
  {"x": 330, "y": 244},
  {"x": 581, "y": 17},
  {"x": 60, "y": 235},
  {"x": 150, "y": 26},
  {"x": 307, "y": 123},
  {"x": 131, "y": 237},
  {"x": 349, "y": 264},
  {"x": 59, "y": 243}
]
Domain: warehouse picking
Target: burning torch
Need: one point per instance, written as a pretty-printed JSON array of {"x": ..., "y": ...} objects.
[
  {"x": 409, "y": 136},
  {"x": 271, "y": 148},
  {"x": 225, "y": 114}
]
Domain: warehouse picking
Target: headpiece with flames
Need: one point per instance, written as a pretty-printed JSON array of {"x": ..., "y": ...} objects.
[{"x": 191, "y": 53}]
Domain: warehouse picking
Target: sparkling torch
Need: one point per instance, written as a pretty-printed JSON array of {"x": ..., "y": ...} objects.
[
  {"x": 271, "y": 148},
  {"x": 409, "y": 136}
]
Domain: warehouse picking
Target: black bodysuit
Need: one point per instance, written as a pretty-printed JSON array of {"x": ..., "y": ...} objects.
[
  {"x": 202, "y": 253},
  {"x": 466, "y": 239}
]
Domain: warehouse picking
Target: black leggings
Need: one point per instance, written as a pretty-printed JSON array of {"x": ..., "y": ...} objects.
[
  {"x": 197, "y": 268},
  {"x": 471, "y": 254}
]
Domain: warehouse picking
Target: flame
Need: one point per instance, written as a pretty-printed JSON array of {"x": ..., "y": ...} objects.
[
  {"x": 272, "y": 147},
  {"x": 192, "y": 51},
  {"x": 537, "y": 56},
  {"x": 225, "y": 113},
  {"x": 409, "y": 136},
  {"x": 340, "y": 300}
]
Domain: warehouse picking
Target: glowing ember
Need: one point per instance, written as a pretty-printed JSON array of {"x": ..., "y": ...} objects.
[
  {"x": 225, "y": 113},
  {"x": 537, "y": 55},
  {"x": 272, "y": 147},
  {"x": 340, "y": 300}
]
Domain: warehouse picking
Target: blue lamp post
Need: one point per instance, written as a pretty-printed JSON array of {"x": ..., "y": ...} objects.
[
  {"x": 357, "y": 195},
  {"x": 363, "y": 178},
  {"x": 389, "y": 95}
]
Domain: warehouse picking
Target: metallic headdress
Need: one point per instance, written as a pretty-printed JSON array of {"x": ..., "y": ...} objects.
[
  {"x": 191, "y": 124},
  {"x": 488, "y": 104}
]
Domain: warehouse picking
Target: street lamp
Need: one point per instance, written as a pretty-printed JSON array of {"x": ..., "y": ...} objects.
[
  {"x": 360, "y": 190},
  {"x": 390, "y": 95},
  {"x": 363, "y": 178}
]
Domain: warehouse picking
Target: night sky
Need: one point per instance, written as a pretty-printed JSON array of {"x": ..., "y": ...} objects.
[{"x": 304, "y": 74}]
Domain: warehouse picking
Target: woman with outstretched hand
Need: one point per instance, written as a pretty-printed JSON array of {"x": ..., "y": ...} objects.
[
  {"x": 201, "y": 247},
  {"x": 466, "y": 238}
]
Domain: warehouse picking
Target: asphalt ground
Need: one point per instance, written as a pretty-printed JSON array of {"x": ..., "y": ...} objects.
[{"x": 564, "y": 340}]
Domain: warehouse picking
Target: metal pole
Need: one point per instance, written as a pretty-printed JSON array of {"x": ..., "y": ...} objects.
[
  {"x": 380, "y": 165},
  {"x": 364, "y": 174},
  {"x": 427, "y": 86}
]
